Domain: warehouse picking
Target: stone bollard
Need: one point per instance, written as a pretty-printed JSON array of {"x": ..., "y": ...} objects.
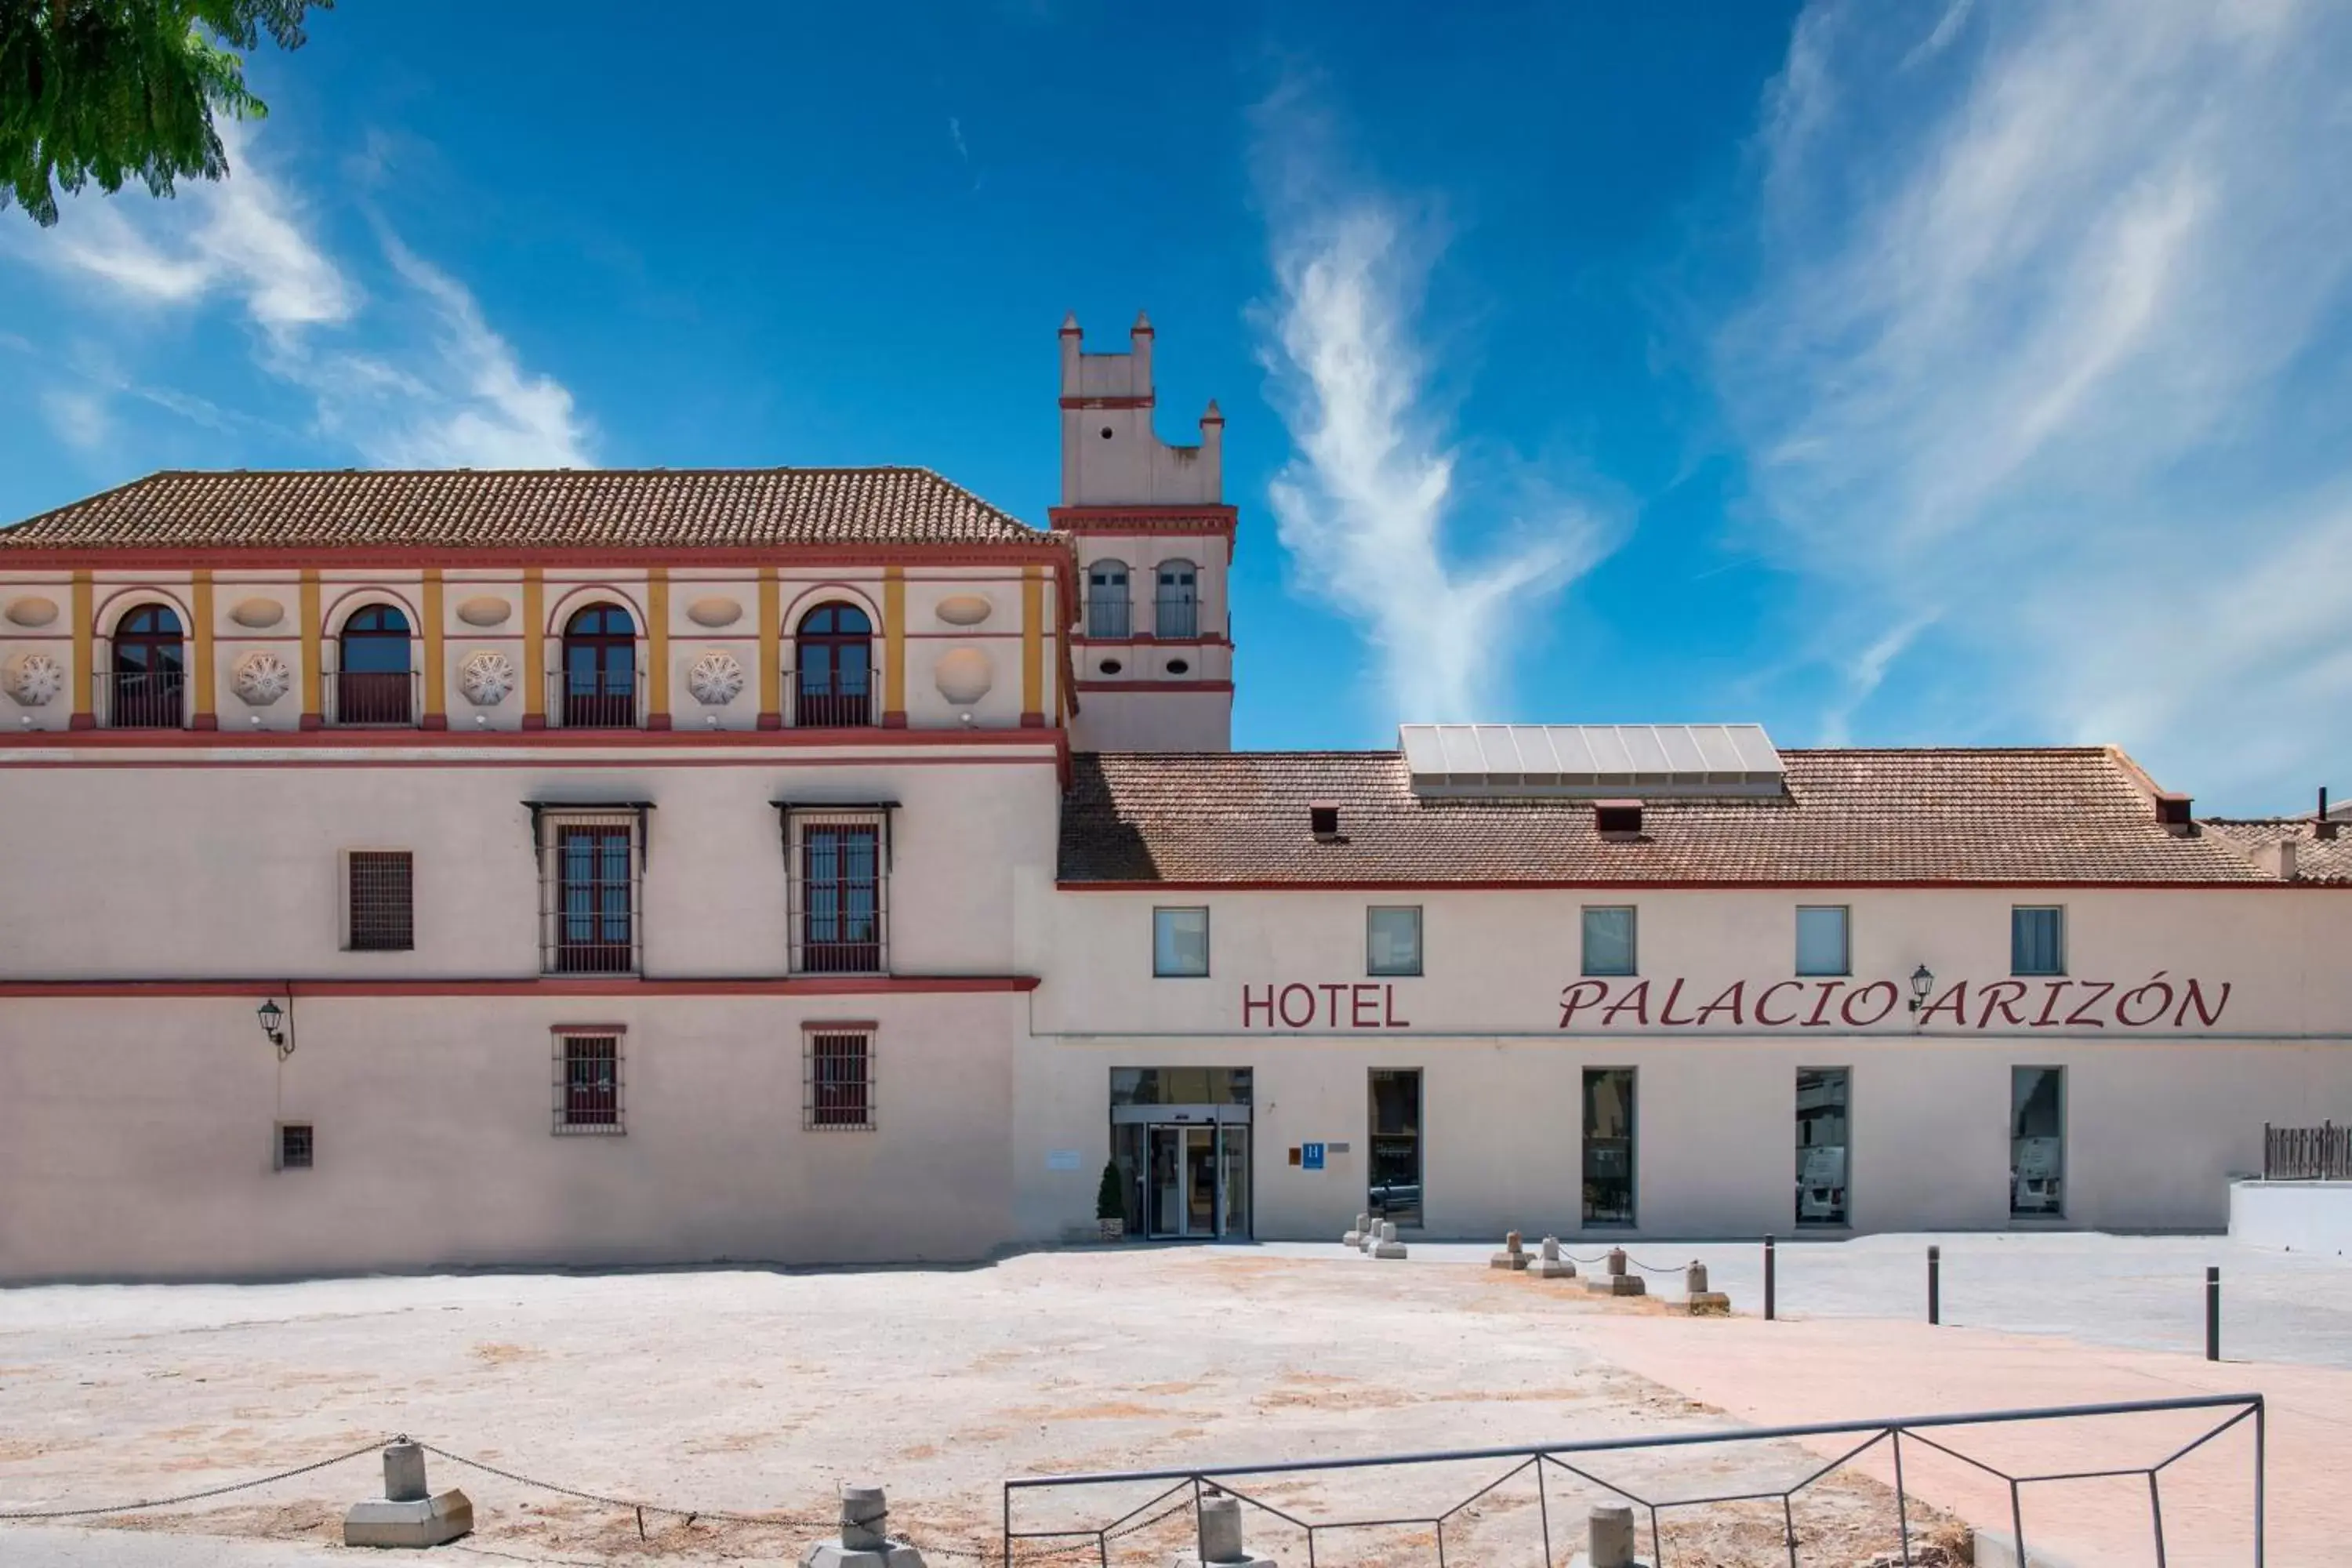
[
  {"x": 1609, "y": 1539},
  {"x": 1390, "y": 1245},
  {"x": 1551, "y": 1264},
  {"x": 1697, "y": 1298},
  {"x": 864, "y": 1540},
  {"x": 1513, "y": 1256},
  {"x": 1616, "y": 1281},
  {"x": 1220, "y": 1544},
  {"x": 1355, "y": 1236},
  {"x": 408, "y": 1514}
]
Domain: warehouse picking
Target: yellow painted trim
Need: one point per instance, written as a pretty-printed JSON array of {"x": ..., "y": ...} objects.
[
  {"x": 203, "y": 675},
  {"x": 657, "y": 642},
  {"x": 1033, "y": 640},
  {"x": 771, "y": 659},
  {"x": 311, "y": 681},
  {"x": 435, "y": 678},
  {"x": 85, "y": 635},
  {"x": 534, "y": 645},
  {"x": 893, "y": 642}
]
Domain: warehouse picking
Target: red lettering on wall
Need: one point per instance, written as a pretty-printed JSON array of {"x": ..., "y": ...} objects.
[
  {"x": 1392, "y": 1021},
  {"x": 1994, "y": 996},
  {"x": 1637, "y": 999},
  {"x": 1734, "y": 1000},
  {"x": 1305, "y": 994},
  {"x": 1850, "y": 1009},
  {"x": 1572, "y": 1000},
  {"x": 1761, "y": 997},
  {"x": 1955, "y": 998},
  {"x": 1332, "y": 994},
  {"x": 1666, "y": 1019},
  {"x": 1829, "y": 988},
  {"x": 1250, "y": 1005},
  {"x": 1361, "y": 1000}
]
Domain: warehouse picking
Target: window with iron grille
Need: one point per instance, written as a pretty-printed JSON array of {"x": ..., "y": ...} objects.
[
  {"x": 839, "y": 869},
  {"x": 294, "y": 1145},
  {"x": 591, "y": 864},
  {"x": 588, "y": 1080},
  {"x": 840, "y": 1077},
  {"x": 382, "y": 910}
]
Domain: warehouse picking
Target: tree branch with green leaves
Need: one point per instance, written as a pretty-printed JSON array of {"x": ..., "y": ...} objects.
[{"x": 114, "y": 90}]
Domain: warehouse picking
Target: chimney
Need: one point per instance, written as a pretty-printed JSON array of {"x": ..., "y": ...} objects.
[
  {"x": 1323, "y": 820},
  {"x": 1617, "y": 819},
  {"x": 2323, "y": 825},
  {"x": 2172, "y": 813}
]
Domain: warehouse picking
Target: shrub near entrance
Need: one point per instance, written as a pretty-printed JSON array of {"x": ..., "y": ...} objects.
[{"x": 1110, "y": 1203}]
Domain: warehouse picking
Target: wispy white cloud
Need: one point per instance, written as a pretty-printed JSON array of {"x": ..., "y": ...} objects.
[
  {"x": 1372, "y": 504},
  {"x": 2044, "y": 363},
  {"x": 415, "y": 377},
  {"x": 77, "y": 417}
]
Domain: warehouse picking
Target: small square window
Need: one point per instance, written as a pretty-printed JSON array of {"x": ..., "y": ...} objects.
[
  {"x": 1179, "y": 943},
  {"x": 1392, "y": 940},
  {"x": 588, "y": 1080},
  {"x": 2037, "y": 940},
  {"x": 294, "y": 1145},
  {"x": 840, "y": 1059},
  {"x": 1822, "y": 940},
  {"x": 1609, "y": 940},
  {"x": 382, "y": 909}
]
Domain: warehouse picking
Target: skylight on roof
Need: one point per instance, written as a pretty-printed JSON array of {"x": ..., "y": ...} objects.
[{"x": 1592, "y": 762}]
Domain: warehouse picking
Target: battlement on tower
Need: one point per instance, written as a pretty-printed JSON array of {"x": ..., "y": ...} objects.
[{"x": 1112, "y": 456}]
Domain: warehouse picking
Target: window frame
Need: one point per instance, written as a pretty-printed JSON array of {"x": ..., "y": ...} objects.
[
  {"x": 813, "y": 1115},
  {"x": 1845, "y": 941},
  {"x": 1206, "y": 952},
  {"x": 350, "y": 943},
  {"x": 553, "y": 824},
  {"x": 1419, "y": 1134},
  {"x": 2058, "y": 913},
  {"x": 1632, "y": 969},
  {"x": 1845, "y": 1220},
  {"x": 1585, "y": 1140},
  {"x": 799, "y": 885},
  {"x": 309, "y": 1159},
  {"x": 1420, "y": 950},
  {"x": 560, "y": 1037},
  {"x": 2056, "y": 1215}
]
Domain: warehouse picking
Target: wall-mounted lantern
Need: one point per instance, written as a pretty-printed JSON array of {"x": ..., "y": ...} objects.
[
  {"x": 1922, "y": 982},
  {"x": 277, "y": 1027}
]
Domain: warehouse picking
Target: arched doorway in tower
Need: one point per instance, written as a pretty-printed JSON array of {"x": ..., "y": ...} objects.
[
  {"x": 148, "y": 683},
  {"x": 372, "y": 669}
]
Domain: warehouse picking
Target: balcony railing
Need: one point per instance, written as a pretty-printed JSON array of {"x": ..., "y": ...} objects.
[
  {"x": 2321, "y": 1154},
  {"x": 608, "y": 700},
  {"x": 358, "y": 698},
  {"x": 1176, "y": 616},
  {"x": 143, "y": 699},
  {"x": 845, "y": 701},
  {"x": 1110, "y": 616}
]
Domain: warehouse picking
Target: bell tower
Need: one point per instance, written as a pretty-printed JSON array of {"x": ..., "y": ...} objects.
[{"x": 1154, "y": 651}]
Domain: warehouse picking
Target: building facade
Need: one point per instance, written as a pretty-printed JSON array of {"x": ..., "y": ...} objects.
[{"x": 412, "y": 869}]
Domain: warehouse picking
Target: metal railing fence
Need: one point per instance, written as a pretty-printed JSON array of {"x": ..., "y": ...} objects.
[
  {"x": 360, "y": 698},
  {"x": 1547, "y": 1464},
  {"x": 141, "y": 699},
  {"x": 2321, "y": 1154}
]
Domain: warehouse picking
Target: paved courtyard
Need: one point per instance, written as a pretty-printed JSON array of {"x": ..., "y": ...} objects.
[{"x": 746, "y": 1391}]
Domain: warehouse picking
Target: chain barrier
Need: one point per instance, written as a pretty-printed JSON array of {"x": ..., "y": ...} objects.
[
  {"x": 626, "y": 1505},
  {"x": 30, "y": 1515},
  {"x": 1659, "y": 1268}
]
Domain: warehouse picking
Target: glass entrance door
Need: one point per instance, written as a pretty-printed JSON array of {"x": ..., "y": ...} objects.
[{"x": 1199, "y": 1181}]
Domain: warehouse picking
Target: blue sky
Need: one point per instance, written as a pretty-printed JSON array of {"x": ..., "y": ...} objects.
[{"x": 1950, "y": 373}]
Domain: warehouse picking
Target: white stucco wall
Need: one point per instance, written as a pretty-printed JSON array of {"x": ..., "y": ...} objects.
[{"x": 2297, "y": 1217}]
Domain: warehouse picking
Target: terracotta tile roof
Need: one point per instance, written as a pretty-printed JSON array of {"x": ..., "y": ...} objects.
[
  {"x": 482, "y": 507},
  {"x": 2076, "y": 815},
  {"x": 2316, "y": 860}
]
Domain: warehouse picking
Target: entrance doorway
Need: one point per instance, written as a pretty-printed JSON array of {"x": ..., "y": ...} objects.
[{"x": 1199, "y": 1181}]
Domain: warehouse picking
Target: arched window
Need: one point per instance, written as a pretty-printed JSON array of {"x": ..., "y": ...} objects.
[
  {"x": 372, "y": 680},
  {"x": 147, "y": 688},
  {"x": 833, "y": 652},
  {"x": 1176, "y": 613},
  {"x": 1107, "y": 605},
  {"x": 600, "y": 670}
]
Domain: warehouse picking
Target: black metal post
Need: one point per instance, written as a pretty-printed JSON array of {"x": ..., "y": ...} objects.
[
  {"x": 1935, "y": 1284},
  {"x": 1770, "y": 1282},
  {"x": 2213, "y": 1313}
]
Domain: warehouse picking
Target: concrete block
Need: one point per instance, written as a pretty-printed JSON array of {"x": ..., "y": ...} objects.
[
  {"x": 834, "y": 1554},
  {"x": 1550, "y": 1264},
  {"x": 1355, "y": 1236},
  {"x": 1695, "y": 1299},
  {"x": 1390, "y": 1246},
  {"x": 1994, "y": 1549},
  {"x": 403, "y": 1473},
  {"x": 1513, "y": 1256},
  {"x": 864, "y": 1541},
  {"x": 1615, "y": 1284},
  {"x": 409, "y": 1523},
  {"x": 1609, "y": 1540},
  {"x": 1220, "y": 1544}
]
